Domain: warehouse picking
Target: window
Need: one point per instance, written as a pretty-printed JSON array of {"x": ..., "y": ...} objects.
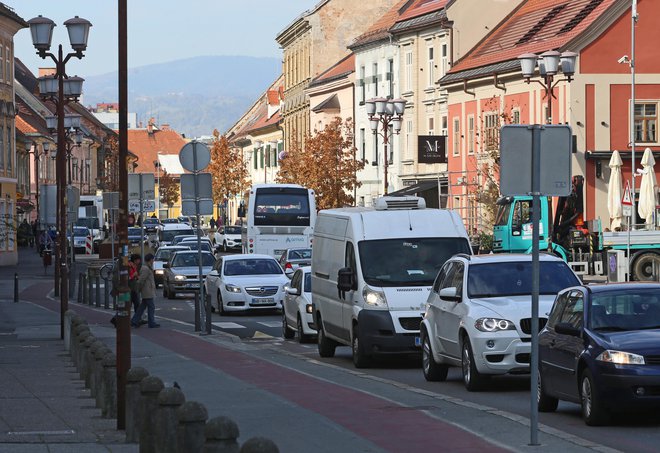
[
  {"x": 350, "y": 262},
  {"x": 515, "y": 116},
  {"x": 374, "y": 161},
  {"x": 10, "y": 150},
  {"x": 2, "y": 66},
  {"x": 375, "y": 79},
  {"x": 363, "y": 144},
  {"x": 470, "y": 131},
  {"x": 431, "y": 125},
  {"x": 457, "y": 137},
  {"x": 431, "y": 66},
  {"x": 444, "y": 64},
  {"x": 646, "y": 121},
  {"x": 255, "y": 158},
  {"x": 2, "y": 147},
  {"x": 444, "y": 126},
  {"x": 8, "y": 63},
  {"x": 261, "y": 158},
  {"x": 409, "y": 70},
  {"x": 390, "y": 150},
  {"x": 363, "y": 86},
  {"x": 390, "y": 77},
  {"x": 572, "y": 313},
  {"x": 557, "y": 309},
  {"x": 491, "y": 131}
]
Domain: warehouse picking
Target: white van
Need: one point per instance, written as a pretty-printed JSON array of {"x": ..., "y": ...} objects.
[
  {"x": 170, "y": 230},
  {"x": 372, "y": 271}
]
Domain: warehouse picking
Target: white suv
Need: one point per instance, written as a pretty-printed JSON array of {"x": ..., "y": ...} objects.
[{"x": 478, "y": 315}]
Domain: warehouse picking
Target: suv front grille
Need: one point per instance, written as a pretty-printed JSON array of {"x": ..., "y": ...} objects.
[
  {"x": 411, "y": 323},
  {"x": 526, "y": 325},
  {"x": 263, "y": 291}
]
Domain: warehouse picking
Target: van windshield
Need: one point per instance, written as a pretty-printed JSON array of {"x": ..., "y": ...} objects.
[{"x": 407, "y": 262}]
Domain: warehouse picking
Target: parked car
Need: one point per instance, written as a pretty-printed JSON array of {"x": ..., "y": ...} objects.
[
  {"x": 292, "y": 259},
  {"x": 297, "y": 309},
  {"x": 135, "y": 236},
  {"x": 478, "y": 314},
  {"x": 601, "y": 349},
  {"x": 244, "y": 282},
  {"x": 163, "y": 255},
  {"x": 228, "y": 238},
  {"x": 182, "y": 272},
  {"x": 151, "y": 225},
  {"x": 185, "y": 219}
]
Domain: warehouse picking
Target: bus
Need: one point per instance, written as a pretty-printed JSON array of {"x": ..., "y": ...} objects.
[{"x": 278, "y": 217}]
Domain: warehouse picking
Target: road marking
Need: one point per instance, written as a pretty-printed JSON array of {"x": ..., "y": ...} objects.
[
  {"x": 271, "y": 323},
  {"x": 228, "y": 325},
  {"x": 261, "y": 336}
]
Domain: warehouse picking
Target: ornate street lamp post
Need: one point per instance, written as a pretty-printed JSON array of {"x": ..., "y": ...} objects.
[
  {"x": 61, "y": 89},
  {"x": 385, "y": 113}
]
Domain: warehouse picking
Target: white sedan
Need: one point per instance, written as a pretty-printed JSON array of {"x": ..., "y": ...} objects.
[
  {"x": 297, "y": 310},
  {"x": 246, "y": 282}
]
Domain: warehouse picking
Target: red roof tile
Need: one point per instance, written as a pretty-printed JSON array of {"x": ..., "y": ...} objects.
[
  {"x": 535, "y": 26},
  {"x": 146, "y": 146},
  {"x": 262, "y": 120},
  {"x": 344, "y": 66},
  {"x": 379, "y": 29},
  {"x": 421, "y": 7}
]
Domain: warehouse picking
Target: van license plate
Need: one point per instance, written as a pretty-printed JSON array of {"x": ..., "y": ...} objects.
[
  {"x": 418, "y": 341},
  {"x": 269, "y": 300}
]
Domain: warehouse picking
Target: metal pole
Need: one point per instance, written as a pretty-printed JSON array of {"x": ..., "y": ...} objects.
[
  {"x": 633, "y": 139},
  {"x": 61, "y": 188},
  {"x": 536, "y": 217},
  {"x": 199, "y": 313},
  {"x": 141, "y": 222},
  {"x": 385, "y": 156},
  {"x": 548, "y": 93},
  {"x": 123, "y": 298},
  {"x": 36, "y": 172},
  {"x": 15, "y": 287}
]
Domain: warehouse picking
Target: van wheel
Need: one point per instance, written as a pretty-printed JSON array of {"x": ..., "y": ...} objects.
[
  {"x": 326, "y": 345},
  {"x": 286, "y": 332},
  {"x": 546, "y": 403},
  {"x": 433, "y": 371},
  {"x": 360, "y": 358},
  {"x": 472, "y": 379}
]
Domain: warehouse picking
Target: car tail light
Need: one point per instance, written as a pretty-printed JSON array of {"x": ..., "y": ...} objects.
[{"x": 288, "y": 266}]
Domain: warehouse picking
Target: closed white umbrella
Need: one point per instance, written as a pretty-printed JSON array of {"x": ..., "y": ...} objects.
[
  {"x": 647, "y": 198},
  {"x": 614, "y": 191}
]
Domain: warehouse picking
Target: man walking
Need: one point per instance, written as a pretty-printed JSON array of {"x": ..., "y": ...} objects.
[{"x": 147, "y": 286}]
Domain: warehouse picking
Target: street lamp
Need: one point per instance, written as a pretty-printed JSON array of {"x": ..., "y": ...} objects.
[
  {"x": 385, "y": 112},
  {"x": 33, "y": 148},
  {"x": 41, "y": 29},
  {"x": 549, "y": 64}
]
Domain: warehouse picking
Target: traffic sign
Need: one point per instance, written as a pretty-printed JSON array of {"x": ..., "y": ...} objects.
[
  {"x": 195, "y": 156},
  {"x": 147, "y": 205},
  {"x": 627, "y": 196},
  {"x": 146, "y": 181}
]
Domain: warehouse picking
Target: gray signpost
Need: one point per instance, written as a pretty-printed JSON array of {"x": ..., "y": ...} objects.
[
  {"x": 536, "y": 148},
  {"x": 141, "y": 189},
  {"x": 111, "y": 203},
  {"x": 196, "y": 198}
]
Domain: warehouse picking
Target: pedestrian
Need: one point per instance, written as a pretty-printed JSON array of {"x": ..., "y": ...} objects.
[
  {"x": 147, "y": 286},
  {"x": 212, "y": 223},
  {"x": 134, "y": 264}
]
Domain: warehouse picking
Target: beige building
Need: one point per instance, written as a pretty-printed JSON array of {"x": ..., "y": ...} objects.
[
  {"x": 331, "y": 94},
  {"x": 313, "y": 42}
]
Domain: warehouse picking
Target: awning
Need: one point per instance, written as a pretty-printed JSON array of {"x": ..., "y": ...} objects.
[
  {"x": 607, "y": 155},
  {"x": 421, "y": 186},
  {"x": 331, "y": 103}
]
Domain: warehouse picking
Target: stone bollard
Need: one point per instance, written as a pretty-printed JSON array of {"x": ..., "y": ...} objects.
[
  {"x": 109, "y": 386},
  {"x": 221, "y": 434},
  {"x": 89, "y": 363},
  {"x": 259, "y": 445},
  {"x": 169, "y": 400},
  {"x": 133, "y": 379},
  {"x": 77, "y": 339},
  {"x": 97, "y": 373},
  {"x": 85, "y": 356},
  {"x": 149, "y": 389},
  {"x": 192, "y": 418},
  {"x": 68, "y": 326}
]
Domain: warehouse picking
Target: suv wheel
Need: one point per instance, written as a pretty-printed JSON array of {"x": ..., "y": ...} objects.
[
  {"x": 360, "y": 358},
  {"x": 472, "y": 379},
  {"x": 326, "y": 345},
  {"x": 432, "y": 370}
]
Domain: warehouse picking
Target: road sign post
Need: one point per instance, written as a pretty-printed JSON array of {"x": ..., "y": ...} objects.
[
  {"x": 627, "y": 211},
  {"x": 535, "y": 147}
]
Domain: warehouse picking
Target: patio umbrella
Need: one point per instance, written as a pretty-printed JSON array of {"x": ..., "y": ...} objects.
[
  {"x": 647, "y": 188},
  {"x": 614, "y": 191}
]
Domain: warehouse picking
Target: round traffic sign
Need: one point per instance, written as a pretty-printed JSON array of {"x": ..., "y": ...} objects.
[{"x": 195, "y": 156}]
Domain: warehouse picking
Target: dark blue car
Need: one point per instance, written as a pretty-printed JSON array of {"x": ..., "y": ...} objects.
[{"x": 601, "y": 349}]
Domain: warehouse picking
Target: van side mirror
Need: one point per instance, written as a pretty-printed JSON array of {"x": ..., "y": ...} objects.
[
  {"x": 565, "y": 328},
  {"x": 345, "y": 280},
  {"x": 450, "y": 294}
]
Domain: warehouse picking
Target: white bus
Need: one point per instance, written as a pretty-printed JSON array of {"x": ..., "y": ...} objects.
[{"x": 278, "y": 217}]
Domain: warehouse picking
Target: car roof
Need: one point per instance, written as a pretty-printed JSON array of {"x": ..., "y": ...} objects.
[
  {"x": 193, "y": 251},
  {"x": 246, "y": 256},
  {"x": 507, "y": 258},
  {"x": 614, "y": 287},
  {"x": 172, "y": 247}
]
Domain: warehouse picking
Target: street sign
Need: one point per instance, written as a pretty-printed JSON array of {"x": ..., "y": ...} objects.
[
  {"x": 205, "y": 207},
  {"x": 147, "y": 205},
  {"x": 133, "y": 205},
  {"x": 626, "y": 210},
  {"x": 516, "y": 160},
  {"x": 110, "y": 200},
  {"x": 47, "y": 205},
  {"x": 73, "y": 203},
  {"x": 204, "y": 185},
  {"x": 626, "y": 200},
  {"x": 195, "y": 156},
  {"x": 148, "y": 182}
]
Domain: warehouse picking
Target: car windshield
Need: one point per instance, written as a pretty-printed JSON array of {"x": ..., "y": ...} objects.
[
  {"x": 166, "y": 254},
  {"x": 150, "y": 221},
  {"x": 308, "y": 283},
  {"x": 205, "y": 246},
  {"x": 252, "y": 266},
  {"x": 407, "y": 262},
  {"x": 300, "y": 254},
  {"x": 170, "y": 221},
  {"x": 80, "y": 232},
  {"x": 634, "y": 309},
  {"x": 515, "y": 278},
  {"x": 190, "y": 260},
  {"x": 169, "y": 235},
  {"x": 232, "y": 230},
  {"x": 134, "y": 231}
]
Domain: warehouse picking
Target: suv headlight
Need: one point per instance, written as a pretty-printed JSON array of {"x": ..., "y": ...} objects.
[
  {"x": 232, "y": 288},
  {"x": 180, "y": 278},
  {"x": 620, "y": 358},
  {"x": 493, "y": 324},
  {"x": 374, "y": 299}
]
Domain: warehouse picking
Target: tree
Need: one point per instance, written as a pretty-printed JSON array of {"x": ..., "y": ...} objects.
[
  {"x": 228, "y": 170},
  {"x": 168, "y": 190},
  {"x": 326, "y": 164}
]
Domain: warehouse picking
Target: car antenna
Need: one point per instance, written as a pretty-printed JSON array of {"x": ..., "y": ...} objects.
[{"x": 409, "y": 221}]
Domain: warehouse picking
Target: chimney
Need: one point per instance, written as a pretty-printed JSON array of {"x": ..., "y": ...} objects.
[
  {"x": 47, "y": 72},
  {"x": 150, "y": 125},
  {"x": 165, "y": 127}
]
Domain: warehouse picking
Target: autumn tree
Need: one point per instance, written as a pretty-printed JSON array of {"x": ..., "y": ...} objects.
[
  {"x": 327, "y": 164},
  {"x": 168, "y": 190},
  {"x": 228, "y": 169}
]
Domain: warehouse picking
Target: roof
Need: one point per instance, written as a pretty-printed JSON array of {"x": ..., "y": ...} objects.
[
  {"x": 380, "y": 29},
  {"x": 262, "y": 120},
  {"x": 511, "y": 258},
  {"x": 146, "y": 146},
  {"x": 23, "y": 75},
  {"x": 337, "y": 71},
  {"x": 535, "y": 26},
  {"x": 421, "y": 7},
  {"x": 10, "y": 13},
  {"x": 305, "y": 14},
  {"x": 330, "y": 103},
  {"x": 171, "y": 164},
  {"x": 606, "y": 287},
  {"x": 420, "y": 14}
]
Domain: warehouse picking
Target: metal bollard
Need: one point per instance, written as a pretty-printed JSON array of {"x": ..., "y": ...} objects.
[
  {"x": 169, "y": 400},
  {"x": 106, "y": 293},
  {"x": 259, "y": 445},
  {"x": 97, "y": 297},
  {"x": 68, "y": 318},
  {"x": 15, "y": 287},
  {"x": 192, "y": 418},
  {"x": 134, "y": 378},
  {"x": 221, "y": 434},
  {"x": 80, "y": 288},
  {"x": 72, "y": 280},
  {"x": 150, "y": 387},
  {"x": 90, "y": 292},
  {"x": 109, "y": 386},
  {"x": 85, "y": 290}
]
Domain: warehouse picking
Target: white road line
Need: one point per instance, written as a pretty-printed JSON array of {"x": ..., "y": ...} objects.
[
  {"x": 271, "y": 323},
  {"x": 228, "y": 325}
]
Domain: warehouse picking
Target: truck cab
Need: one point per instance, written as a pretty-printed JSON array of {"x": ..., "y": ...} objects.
[{"x": 512, "y": 232}]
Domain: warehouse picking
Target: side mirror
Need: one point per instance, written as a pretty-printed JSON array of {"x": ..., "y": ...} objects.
[
  {"x": 450, "y": 294},
  {"x": 564, "y": 328},
  {"x": 345, "y": 280},
  {"x": 166, "y": 265},
  {"x": 214, "y": 274},
  {"x": 292, "y": 291}
]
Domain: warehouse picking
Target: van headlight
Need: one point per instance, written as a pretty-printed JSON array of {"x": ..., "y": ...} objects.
[
  {"x": 374, "y": 299},
  {"x": 620, "y": 358}
]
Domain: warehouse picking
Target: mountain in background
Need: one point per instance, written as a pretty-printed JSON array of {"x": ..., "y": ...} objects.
[{"x": 194, "y": 95}]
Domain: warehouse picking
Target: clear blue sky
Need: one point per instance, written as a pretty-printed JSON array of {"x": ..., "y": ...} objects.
[{"x": 161, "y": 30}]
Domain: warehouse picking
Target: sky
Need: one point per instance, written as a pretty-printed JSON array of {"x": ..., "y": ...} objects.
[{"x": 160, "y": 30}]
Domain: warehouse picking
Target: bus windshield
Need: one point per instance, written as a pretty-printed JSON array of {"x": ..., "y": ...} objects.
[{"x": 282, "y": 206}]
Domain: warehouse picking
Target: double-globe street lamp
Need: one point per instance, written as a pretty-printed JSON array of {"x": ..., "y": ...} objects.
[
  {"x": 385, "y": 113},
  {"x": 61, "y": 89}
]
